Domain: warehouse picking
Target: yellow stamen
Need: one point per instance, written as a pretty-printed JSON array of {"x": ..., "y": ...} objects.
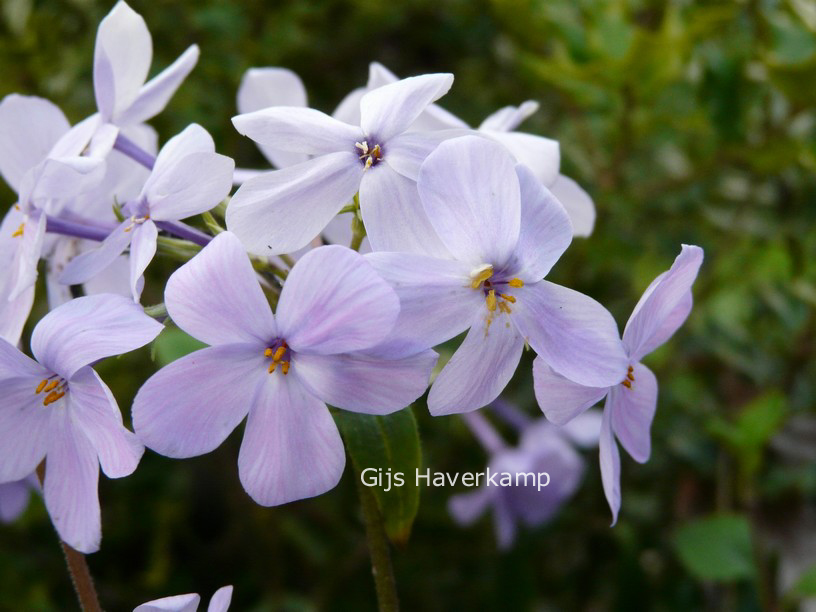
[
  {"x": 491, "y": 300},
  {"x": 272, "y": 366},
  {"x": 509, "y": 298},
  {"x": 19, "y": 231},
  {"x": 53, "y": 397},
  {"x": 504, "y": 308},
  {"x": 285, "y": 367},
  {"x": 279, "y": 353},
  {"x": 480, "y": 275},
  {"x": 516, "y": 283},
  {"x": 50, "y": 386},
  {"x": 627, "y": 384},
  {"x": 268, "y": 352},
  {"x": 630, "y": 376},
  {"x": 41, "y": 386},
  {"x": 631, "y": 369}
]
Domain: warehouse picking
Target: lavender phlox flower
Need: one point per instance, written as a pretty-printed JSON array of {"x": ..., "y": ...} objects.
[
  {"x": 278, "y": 371},
  {"x": 57, "y": 408},
  {"x": 631, "y": 402},
  {"x": 188, "y": 178},
  {"x": 14, "y": 497},
  {"x": 220, "y": 602},
  {"x": 504, "y": 231}
]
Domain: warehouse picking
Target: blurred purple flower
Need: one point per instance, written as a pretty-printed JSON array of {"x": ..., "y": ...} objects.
[
  {"x": 280, "y": 369},
  {"x": 220, "y": 602},
  {"x": 80, "y": 427},
  {"x": 631, "y": 403},
  {"x": 14, "y": 497}
]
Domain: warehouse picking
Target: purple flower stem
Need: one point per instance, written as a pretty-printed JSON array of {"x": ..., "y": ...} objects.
[
  {"x": 510, "y": 414},
  {"x": 77, "y": 230},
  {"x": 125, "y": 145},
  {"x": 484, "y": 432},
  {"x": 182, "y": 230}
]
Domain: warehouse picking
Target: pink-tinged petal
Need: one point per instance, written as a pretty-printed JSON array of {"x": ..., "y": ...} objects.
[
  {"x": 545, "y": 232},
  {"x": 480, "y": 368},
  {"x": 87, "y": 265},
  {"x": 14, "y": 499},
  {"x": 632, "y": 410},
  {"x": 664, "y": 305},
  {"x": 366, "y": 384},
  {"x": 221, "y": 599},
  {"x": 122, "y": 59},
  {"x": 542, "y": 155},
  {"x": 577, "y": 203},
  {"x": 282, "y": 211},
  {"x": 291, "y": 448},
  {"x": 96, "y": 412},
  {"x": 394, "y": 217},
  {"x": 299, "y": 130},
  {"x": 408, "y": 151},
  {"x": 28, "y": 254},
  {"x": 156, "y": 93},
  {"x": 572, "y": 333},
  {"x": 333, "y": 301},
  {"x": 176, "y": 603},
  {"x": 29, "y": 128},
  {"x": 470, "y": 192},
  {"x": 509, "y": 118},
  {"x": 560, "y": 399},
  {"x": 610, "y": 465},
  {"x": 88, "y": 329},
  {"x": 466, "y": 508},
  {"x": 71, "y": 480},
  {"x": 436, "y": 301},
  {"x": 391, "y": 109},
  {"x": 142, "y": 250},
  {"x": 216, "y": 297},
  {"x": 191, "y": 405},
  {"x": 24, "y": 425}
]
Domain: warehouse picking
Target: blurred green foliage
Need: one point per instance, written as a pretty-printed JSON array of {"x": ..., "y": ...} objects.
[{"x": 688, "y": 122}]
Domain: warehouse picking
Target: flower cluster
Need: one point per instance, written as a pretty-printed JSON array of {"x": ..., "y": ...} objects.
[{"x": 386, "y": 229}]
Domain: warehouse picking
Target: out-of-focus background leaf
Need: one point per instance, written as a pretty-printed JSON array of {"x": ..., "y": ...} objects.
[{"x": 688, "y": 122}]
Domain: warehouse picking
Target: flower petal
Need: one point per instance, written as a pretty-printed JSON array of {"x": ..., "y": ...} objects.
[
  {"x": 470, "y": 192},
  {"x": 572, "y": 333},
  {"x": 664, "y": 305},
  {"x": 406, "y": 152},
  {"x": 509, "y": 118},
  {"x": 221, "y": 599},
  {"x": 191, "y": 405},
  {"x": 542, "y": 155},
  {"x": 577, "y": 203},
  {"x": 560, "y": 399},
  {"x": 24, "y": 425},
  {"x": 142, "y": 250},
  {"x": 466, "y": 508},
  {"x": 87, "y": 265},
  {"x": 283, "y": 210},
  {"x": 366, "y": 384},
  {"x": 29, "y": 250},
  {"x": 632, "y": 410},
  {"x": 88, "y": 329},
  {"x": 216, "y": 297},
  {"x": 175, "y": 603},
  {"x": 610, "y": 465},
  {"x": 480, "y": 368},
  {"x": 14, "y": 499},
  {"x": 194, "y": 185},
  {"x": 291, "y": 448},
  {"x": 333, "y": 301},
  {"x": 391, "y": 109}
]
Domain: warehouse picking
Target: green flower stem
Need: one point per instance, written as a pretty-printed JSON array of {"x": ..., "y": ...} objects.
[{"x": 378, "y": 547}]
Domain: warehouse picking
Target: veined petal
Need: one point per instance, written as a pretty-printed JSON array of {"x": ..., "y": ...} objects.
[
  {"x": 577, "y": 203},
  {"x": 191, "y": 405},
  {"x": 610, "y": 465},
  {"x": 545, "y": 231},
  {"x": 175, "y": 603},
  {"x": 480, "y": 368},
  {"x": 632, "y": 410},
  {"x": 394, "y": 217},
  {"x": 542, "y": 155},
  {"x": 391, "y": 109},
  {"x": 24, "y": 425},
  {"x": 194, "y": 185},
  {"x": 71, "y": 480},
  {"x": 14, "y": 363},
  {"x": 283, "y": 210},
  {"x": 221, "y": 600},
  {"x": 664, "y": 305},
  {"x": 142, "y": 250},
  {"x": 291, "y": 448},
  {"x": 90, "y": 328},
  {"x": 86, "y": 265},
  {"x": 61, "y": 178},
  {"x": 572, "y": 333},
  {"x": 122, "y": 59},
  {"x": 470, "y": 192},
  {"x": 96, "y": 412},
  {"x": 156, "y": 93},
  {"x": 509, "y": 118},
  {"x": 299, "y": 130},
  {"x": 29, "y": 128},
  {"x": 216, "y": 298},
  {"x": 560, "y": 399},
  {"x": 366, "y": 384}
]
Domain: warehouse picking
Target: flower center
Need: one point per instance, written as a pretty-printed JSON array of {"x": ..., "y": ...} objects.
[
  {"x": 369, "y": 155},
  {"x": 53, "y": 387},
  {"x": 630, "y": 378},
  {"x": 134, "y": 220},
  {"x": 482, "y": 278},
  {"x": 280, "y": 354}
]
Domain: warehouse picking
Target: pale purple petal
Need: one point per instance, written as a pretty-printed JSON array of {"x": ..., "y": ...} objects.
[
  {"x": 86, "y": 265},
  {"x": 142, "y": 250},
  {"x": 61, "y": 178},
  {"x": 348, "y": 111},
  {"x": 577, "y": 203},
  {"x": 480, "y": 368},
  {"x": 14, "y": 313},
  {"x": 283, "y": 210},
  {"x": 545, "y": 232},
  {"x": 585, "y": 429},
  {"x": 664, "y": 305},
  {"x": 333, "y": 301},
  {"x": 24, "y": 425},
  {"x": 216, "y": 297},
  {"x": 466, "y": 508},
  {"x": 360, "y": 383},
  {"x": 509, "y": 118},
  {"x": 192, "y": 139},
  {"x": 14, "y": 363},
  {"x": 176, "y": 603},
  {"x": 610, "y": 465},
  {"x": 103, "y": 140},
  {"x": 572, "y": 333},
  {"x": 394, "y": 217},
  {"x": 470, "y": 192},
  {"x": 191, "y": 405},
  {"x": 88, "y": 329},
  {"x": 391, "y": 109},
  {"x": 299, "y": 130},
  {"x": 542, "y": 155},
  {"x": 560, "y": 399},
  {"x": 14, "y": 499},
  {"x": 76, "y": 140},
  {"x": 28, "y": 254},
  {"x": 406, "y": 152},
  {"x": 291, "y": 448},
  {"x": 504, "y": 524},
  {"x": 221, "y": 599},
  {"x": 632, "y": 410},
  {"x": 156, "y": 93}
]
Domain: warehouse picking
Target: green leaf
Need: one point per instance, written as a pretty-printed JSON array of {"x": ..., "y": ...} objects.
[
  {"x": 806, "y": 585},
  {"x": 172, "y": 344},
  {"x": 384, "y": 442},
  {"x": 716, "y": 548}
]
